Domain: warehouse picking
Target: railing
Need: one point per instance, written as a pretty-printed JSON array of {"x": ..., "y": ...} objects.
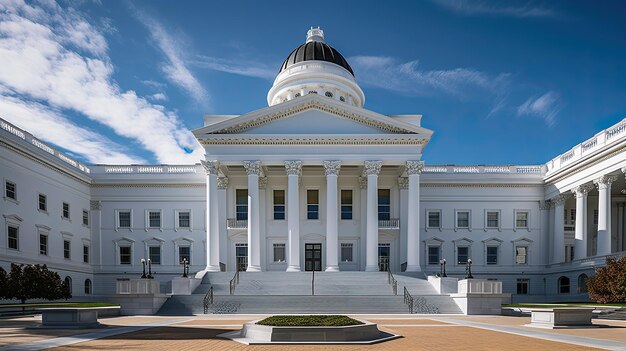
[
  {"x": 147, "y": 169},
  {"x": 232, "y": 223},
  {"x": 479, "y": 286},
  {"x": 208, "y": 300},
  {"x": 393, "y": 223},
  {"x": 482, "y": 169},
  {"x": 408, "y": 299},
  {"x": 392, "y": 280},
  {"x": 234, "y": 282}
]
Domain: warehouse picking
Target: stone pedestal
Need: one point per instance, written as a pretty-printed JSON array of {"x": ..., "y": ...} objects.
[
  {"x": 138, "y": 286},
  {"x": 72, "y": 317},
  {"x": 444, "y": 285},
  {"x": 139, "y": 296},
  {"x": 184, "y": 286},
  {"x": 480, "y": 296},
  {"x": 553, "y": 318}
]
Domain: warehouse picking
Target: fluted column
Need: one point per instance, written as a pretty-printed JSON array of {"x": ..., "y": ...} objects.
[
  {"x": 604, "y": 213},
  {"x": 580, "y": 234},
  {"x": 558, "y": 253},
  {"x": 253, "y": 169},
  {"x": 293, "y": 168},
  {"x": 212, "y": 217},
  {"x": 544, "y": 209},
  {"x": 222, "y": 186},
  {"x": 372, "y": 168},
  {"x": 331, "y": 168},
  {"x": 413, "y": 168}
]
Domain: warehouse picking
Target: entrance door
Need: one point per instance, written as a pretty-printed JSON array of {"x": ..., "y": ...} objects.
[
  {"x": 241, "y": 256},
  {"x": 384, "y": 251},
  {"x": 313, "y": 257}
]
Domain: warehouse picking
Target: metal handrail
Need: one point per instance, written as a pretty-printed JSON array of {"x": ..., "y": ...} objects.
[
  {"x": 392, "y": 280},
  {"x": 313, "y": 283},
  {"x": 208, "y": 300},
  {"x": 408, "y": 299},
  {"x": 234, "y": 282}
]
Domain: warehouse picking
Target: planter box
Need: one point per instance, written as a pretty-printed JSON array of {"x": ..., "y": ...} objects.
[
  {"x": 563, "y": 317},
  {"x": 73, "y": 317}
]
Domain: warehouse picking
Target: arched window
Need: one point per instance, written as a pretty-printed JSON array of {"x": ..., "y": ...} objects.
[
  {"x": 87, "y": 287},
  {"x": 563, "y": 285},
  {"x": 312, "y": 92},
  {"x": 298, "y": 95},
  {"x": 582, "y": 283},
  {"x": 68, "y": 282},
  {"x": 328, "y": 94}
]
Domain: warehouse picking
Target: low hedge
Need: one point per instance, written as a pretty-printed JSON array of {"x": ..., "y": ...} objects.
[{"x": 309, "y": 321}]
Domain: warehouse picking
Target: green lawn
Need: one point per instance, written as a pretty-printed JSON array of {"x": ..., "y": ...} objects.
[
  {"x": 309, "y": 321},
  {"x": 59, "y": 304},
  {"x": 565, "y": 304}
]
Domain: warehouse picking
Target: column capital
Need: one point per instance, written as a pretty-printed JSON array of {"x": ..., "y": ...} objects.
[
  {"x": 363, "y": 182},
  {"x": 403, "y": 182},
  {"x": 210, "y": 167},
  {"x": 293, "y": 167},
  {"x": 332, "y": 167},
  {"x": 222, "y": 183},
  {"x": 604, "y": 182},
  {"x": 95, "y": 205},
  {"x": 373, "y": 167},
  {"x": 252, "y": 167},
  {"x": 582, "y": 190},
  {"x": 414, "y": 167},
  {"x": 545, "y": 205},
  {"x": 262, "y": 183},
  {"x": 559, "y": 199}
]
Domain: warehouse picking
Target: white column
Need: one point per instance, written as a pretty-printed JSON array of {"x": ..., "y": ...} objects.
[
  {"x": 372, "y": 168},
  {"x": 558, "y": 253},
  {"x": 580, "y": 234},
  {"x": 212, "y": 217},
  {"x": 293, "y": 168},
  {"x": 544, "y": 210},
  {"x": 604, "y": 214},
  {"x": 413, "y": 168},
  {"x": 253, "y": 169},
  {"x": 403, "y": 185},
  {"x": 331, "y": 168},
  {"x": 222, "y": 185},
  {"x": 263, "y": 221}
]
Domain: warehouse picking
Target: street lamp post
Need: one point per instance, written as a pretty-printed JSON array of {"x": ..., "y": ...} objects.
[
  {"x": 468, "y": 269},
  {"x": 150, "y": 269},
  {"x": 143, "y": 263},
  {"x": 443, "y": 264},
  {"x": 185, "y": 268}
]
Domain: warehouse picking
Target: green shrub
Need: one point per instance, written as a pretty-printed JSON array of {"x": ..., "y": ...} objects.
[
  {"x": 309, "y": 321},
  {"x": 27, "y": 282},
  {"x": 609, "y": 283}
]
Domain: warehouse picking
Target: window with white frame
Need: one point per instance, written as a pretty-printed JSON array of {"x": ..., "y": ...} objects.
[
  {"x": 346, "y": 204},
  {"x": 279, "y": 205},
  {"x": 86, "y": 253},
  {"x": 433, "y": 219},
  {"x": 123, "y": 219},
  {"x": 154, "y": 219},
  {"x": 154, "y": 252},
  {"x": 493, "y": 219},
  {"x": 312, "y": 204},
  {"x": 43, "y": 244},
  {"x": 521, "y": 254},
  {"x": 184, "y": 253},
  {"x": 42, "y": 202},
  {"x": 87, "y": 287},
  {"x": 434, "y": 254},
  {"x": 492, "y": 254},
  {"x": 384, "y": 204},
  {"x": 522, "y": 286},
  {"x": 125, "y": 254},
  {"x": 521, "y": 219},
  {"x": 279, "y": 252},
  {"x": 85, "y": 217},
  {"x": 241, "y": 207},
  {"x": 183, "y": 219},
  {"x": 347, "y": 252},
  {"x": 13, "y": 237},
  {"x": 10, "y": 190},
  {"x": 462, "y": 254},
  {"x": 66, "y": 210},
  {"x": 67, "y": 247},
  {"x": 463, "y": 219}
]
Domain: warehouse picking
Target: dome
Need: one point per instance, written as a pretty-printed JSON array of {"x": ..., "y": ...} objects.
[{"x": 315, "y": 49}]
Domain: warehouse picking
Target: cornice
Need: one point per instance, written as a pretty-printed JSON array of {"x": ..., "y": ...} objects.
[
  {"x": 473, "y": 185},
  {"x": 304, "y": 140},
  {"x": 147, "y": 185},
  {"x": 582, "y": 165}
]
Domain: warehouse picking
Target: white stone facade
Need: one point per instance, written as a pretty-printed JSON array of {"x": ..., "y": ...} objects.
[{"x": 315, "y": 182}]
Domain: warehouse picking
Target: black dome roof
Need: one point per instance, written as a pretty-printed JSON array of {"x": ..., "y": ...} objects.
[{"x": 315, "y": 51}]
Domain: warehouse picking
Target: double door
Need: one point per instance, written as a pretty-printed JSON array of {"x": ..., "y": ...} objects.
[{"x": 312, "y": 257}]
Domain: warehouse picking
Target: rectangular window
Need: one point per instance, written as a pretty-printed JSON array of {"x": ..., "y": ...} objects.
[
  {"x": 66, "y": 249},
  {"x": 434, "y": 219},
  {"x": 10, "y": 190},
  {"x": 462, "y": 219},
  {"x": 462, "y": 254},
  {"x": 521, "y": 219},
  {"x": 279, "y": 205},
  {"x": 124, "y": 219},
  {"x": 433, "y": 255},
  {"x": 595, "y": 217},
  {"x": 384, "y": 204},
  {"x": 346, "y": 204},
  {"x": 155, "y": 254},
  {"x": 346, "y": 251},
  {"x": 85, "y": 217},
  {"x": 520, "y": 254},
  {"x": 154, "y": 219},
  {"x": 493, "y": 219},
  {"x": 241, "y": 210},
  {"x": 125, "y": 254},
  {"x": 85, "y": 253},
  {"x": 184, "y": 253},
  {"x": 312, "y": 204},
  {"x": 184, "y": 219},
  {"x": 522, "y": 286},
  {"x": 43, "y": 202},
  {"x": 43, "y": 244},
  {"x": 13, "y": 237},
  {"x": 66, "y": 210},
  {"x": 492, "y": 255},
  {"x": 279, "y": 252}
]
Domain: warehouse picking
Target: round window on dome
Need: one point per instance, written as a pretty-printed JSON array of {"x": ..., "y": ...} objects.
[
  {"x": 312, "y": 92},
  {"x": 328, "y": 94},
  {"x": 297, "y": 95},
  {"x": 343, "y": 99}
]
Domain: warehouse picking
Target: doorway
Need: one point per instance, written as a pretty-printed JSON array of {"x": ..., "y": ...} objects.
[
  {"x": 241, "y": 257},
  {"x": 384, "y": 251},
  {"x": 313, "y": 257}
]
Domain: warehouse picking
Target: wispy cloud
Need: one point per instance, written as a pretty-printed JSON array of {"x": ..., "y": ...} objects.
[
  {"x": 546, "y": 106},
  {"x": 493, "y": 8},
  {"x": 241, "y": 67},
  {"x": 48, "y": 65},
  {"x": 175, "y": 68},
  {"x": 158, "y": 97}
]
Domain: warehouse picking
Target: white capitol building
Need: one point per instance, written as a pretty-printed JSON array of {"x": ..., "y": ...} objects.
[{"x": 315, "y": 181}]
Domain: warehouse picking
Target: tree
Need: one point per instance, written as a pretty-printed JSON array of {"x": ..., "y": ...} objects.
[
  {"x": 35, "y": 282},
  {"x": 609, "y": 283},
  {"x": 4, "y": 284}
]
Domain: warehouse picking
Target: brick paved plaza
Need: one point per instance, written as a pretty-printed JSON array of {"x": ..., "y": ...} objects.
[{"x": 418, "y": 333}]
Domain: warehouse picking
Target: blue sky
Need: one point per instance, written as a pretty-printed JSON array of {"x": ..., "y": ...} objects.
[{"x": 499, "y": 82}]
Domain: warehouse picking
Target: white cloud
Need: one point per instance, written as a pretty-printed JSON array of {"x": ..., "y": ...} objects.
[
  {"x": 243, "y": 68},
  {"x": 478, "y": 7},
  {"x": 159, "y": 97},
  {"x": 547, "y": 107},
  {"x": 175, "y": 68},
  {"x": 44, "y": 59}
]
